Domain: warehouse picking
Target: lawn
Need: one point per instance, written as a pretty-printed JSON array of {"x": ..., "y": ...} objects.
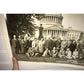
[{"x": 23, "y": 57}]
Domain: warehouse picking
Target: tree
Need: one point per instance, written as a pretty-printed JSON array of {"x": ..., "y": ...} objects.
[{"x": 19, "y": 24}]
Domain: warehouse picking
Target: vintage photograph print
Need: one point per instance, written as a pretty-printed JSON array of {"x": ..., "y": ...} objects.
[{"x": 56, "y": 38}]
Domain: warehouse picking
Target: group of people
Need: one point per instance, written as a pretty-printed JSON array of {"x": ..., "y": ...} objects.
[{"x": 48, "y": 47}]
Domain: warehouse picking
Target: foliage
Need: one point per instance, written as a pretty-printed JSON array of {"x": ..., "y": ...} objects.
[{"x": 19, "y": 24}]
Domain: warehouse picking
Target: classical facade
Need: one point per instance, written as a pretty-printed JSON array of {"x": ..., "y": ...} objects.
[{"x": 52, "y": 27}]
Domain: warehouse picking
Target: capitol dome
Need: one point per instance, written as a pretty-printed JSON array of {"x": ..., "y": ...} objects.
[{"x": 51, "y": 19}]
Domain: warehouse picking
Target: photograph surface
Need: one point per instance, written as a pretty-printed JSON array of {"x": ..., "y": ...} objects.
[{"x": 52, "y": 38}]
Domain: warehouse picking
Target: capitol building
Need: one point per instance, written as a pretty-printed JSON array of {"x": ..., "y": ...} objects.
[{"x": 52, "y": 27}]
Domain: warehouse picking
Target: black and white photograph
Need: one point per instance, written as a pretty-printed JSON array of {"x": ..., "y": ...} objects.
[{"x": 49, "y": 38}]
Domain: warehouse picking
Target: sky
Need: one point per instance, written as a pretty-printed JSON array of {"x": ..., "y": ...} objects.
[{"x": 76, "y": 21}]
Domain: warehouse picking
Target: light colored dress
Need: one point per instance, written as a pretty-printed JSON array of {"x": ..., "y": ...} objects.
[
  {"x": 68, "y": 54},
  {"x": 46, "y": 53},
  {"x": 61, "y": 53},
  {"x": 75, "y": 54}
]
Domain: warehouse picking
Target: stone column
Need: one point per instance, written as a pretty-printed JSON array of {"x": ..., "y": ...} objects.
[
  {"x": 46, "y": 18},
  {"x": 55, "y": 19},
  {"x": 60, "y": 21},
  {"x": 44, "y": 32},
  {"x": 51, "y": 32},
  {"x": 49, "y": 17},
  {"x": 58, "y": 32},
  {"x": 52, "y": 18},
  {"x": 55, "y": 33},
  {"x": 48, "y": 32},
  {"x": 61, "y": 32}
]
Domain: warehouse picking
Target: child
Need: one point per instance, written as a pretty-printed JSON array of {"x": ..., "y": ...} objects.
[
  {"x": 46, "y": 53},
  {"x": 54, "y": 52},
  {"x": 75, "y": 54},
  {"x": 68, "y": 54}
]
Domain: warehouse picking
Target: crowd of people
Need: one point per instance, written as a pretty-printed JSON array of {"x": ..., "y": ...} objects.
[{"x": 48, "y": 47}]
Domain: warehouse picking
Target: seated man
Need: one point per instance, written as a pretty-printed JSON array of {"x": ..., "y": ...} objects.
[
  {"x": 36, "y": 52},
  {"x": 75, "y": 54},
  {"x": 54, "y": 52},
  {"x": 30, "y": 52},
  {"x": 46, "y": 53},
  {"x": 61, "y": 53},
  {"x": 68, "y": 54}
]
